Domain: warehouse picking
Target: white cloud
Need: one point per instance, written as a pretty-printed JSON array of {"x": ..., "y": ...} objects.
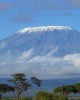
[
  {"x": 74, "y": 58},
  {"x": 46, "y": 66},
  {"x": 75, "y": 3},
  {"x": 24, "y": 56},
  {"x": 66, "y": 66}
]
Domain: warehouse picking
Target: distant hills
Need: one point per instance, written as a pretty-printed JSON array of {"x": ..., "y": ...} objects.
[{"x": 47, "y": 85}]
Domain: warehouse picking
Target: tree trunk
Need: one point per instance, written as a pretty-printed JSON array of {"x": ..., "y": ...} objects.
[
  {"x": 17, "y": 96},
  {"x": 17, "y": 93},
  {"x": 0, "y": 96}
]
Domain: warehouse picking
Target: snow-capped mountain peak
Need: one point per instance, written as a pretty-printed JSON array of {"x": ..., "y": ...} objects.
[
  {"x": 54, "y": 50},
  {"x": 43, "y": 28}
]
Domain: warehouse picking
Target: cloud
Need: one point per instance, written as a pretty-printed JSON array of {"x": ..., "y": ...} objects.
[
  {"x": 67, "y": 66},
  {"x": 21, "y": 18},
  {"x": 31, "y": 6},
  {"x": 45, "y": 66},
  {"x": 34, "y": 8},
  {"x": 53, "y": 4},
  {"x": 62, "y": 5},
  {"x": 75, "y": 3},
  {"x": 24, "y": 56},
  {"x": 6, "y": 6},
  {"x": 74, "y": 58},
  {"x": 66, "y": 14}
]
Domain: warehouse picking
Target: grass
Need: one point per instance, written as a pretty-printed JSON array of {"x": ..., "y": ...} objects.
[
  {"x": 22, "y": 98},
  {"x": 33, "y": 98}
]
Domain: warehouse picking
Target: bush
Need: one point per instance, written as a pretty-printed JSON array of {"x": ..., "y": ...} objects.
[
  {"x": 48, "y": 96},
  {"x": 43, "y": 96},
  {"x": 19, "y": 99},
  {"x": 59, "y": 97}
]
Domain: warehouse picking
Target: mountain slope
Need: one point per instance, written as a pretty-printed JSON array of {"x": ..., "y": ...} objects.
[
  {"x": 43, "y": 40},
  {"x": 40, "y": 47}
]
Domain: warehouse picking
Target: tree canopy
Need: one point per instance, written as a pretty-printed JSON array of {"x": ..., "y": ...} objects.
[
  {"x": 20, "y": 83},
  {"x": 66, "y": 90},
  {"x": 5, "y": 88}
]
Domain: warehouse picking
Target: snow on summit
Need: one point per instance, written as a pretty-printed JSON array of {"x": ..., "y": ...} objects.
[{"x": 43, "y": 28}]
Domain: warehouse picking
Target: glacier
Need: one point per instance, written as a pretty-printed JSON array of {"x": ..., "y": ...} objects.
[{"x": 43, "y": 28}]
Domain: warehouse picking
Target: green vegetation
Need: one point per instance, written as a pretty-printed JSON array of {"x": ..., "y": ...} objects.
[
  {"x": 77, "y": 86},
  {"x": 66, "y": 90},
  {"x": 25, "y": 98},
  {"x": 43, "y": 96},
  {"x": 49, "y": 96},
  {"x": 5, "y": 88},
  {"x": 21, "y": 84}
]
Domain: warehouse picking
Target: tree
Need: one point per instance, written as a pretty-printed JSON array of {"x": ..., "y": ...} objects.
[
  {"x": 60, "y": 90},
  {"x": 42, "y": 95},
  {"x": 36, "y": 81},
  {"x": 65, "y": 90},
  {"x": 21, "y": 83},
  {"x": 5, "y": 88},
  {"x": 77, "y": 87}
]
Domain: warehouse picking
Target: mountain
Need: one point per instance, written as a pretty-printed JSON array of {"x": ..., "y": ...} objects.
[{"x": 46, "y": 52}]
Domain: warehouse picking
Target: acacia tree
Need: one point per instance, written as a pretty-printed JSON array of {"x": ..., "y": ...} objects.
[
  {"x": 36, "y": 81},
  {"x": 77, "y": 87},
  {"x": 5, "y": 88},
  {"x": 65, "y": 90},
  {"x": 20, "y": 83}
]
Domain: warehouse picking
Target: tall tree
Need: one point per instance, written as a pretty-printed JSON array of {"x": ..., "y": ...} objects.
[
  {"x": 77, "y": 87},
  {"x": 5, "y": 88},
  {"x": 21, "y": 83},
  {"x": 65, "y": 90}
]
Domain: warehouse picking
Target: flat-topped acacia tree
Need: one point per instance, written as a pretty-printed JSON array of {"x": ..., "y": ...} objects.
[
  {"x": 5, "y": 88},
  {"x": 66, "y": 90},
  {"x": 21, "y": 84}
]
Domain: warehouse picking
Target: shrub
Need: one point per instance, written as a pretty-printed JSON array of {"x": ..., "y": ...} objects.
[
  {"x": 59, "y": 97},
  {"x": 25, "y": 98},
  {"x": 43, "y": 96},
  {"x": 48, "y": 96}
]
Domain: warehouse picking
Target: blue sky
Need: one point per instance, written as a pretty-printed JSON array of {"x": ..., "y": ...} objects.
[{"x": 18, "y": 14}]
